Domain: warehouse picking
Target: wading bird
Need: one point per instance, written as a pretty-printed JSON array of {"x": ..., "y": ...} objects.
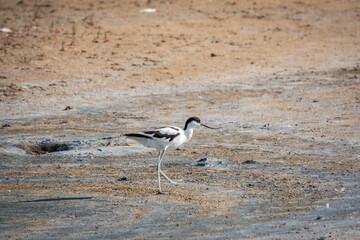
[{"x": 166, "y": 138}]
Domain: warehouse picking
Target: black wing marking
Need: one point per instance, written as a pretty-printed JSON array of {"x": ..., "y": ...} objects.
[
  {"x": 137, "y": 135},
  {"x": 158, "y": 134}
]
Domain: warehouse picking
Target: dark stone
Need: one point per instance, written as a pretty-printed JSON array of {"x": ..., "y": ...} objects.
[
  {"x": 249, "y": 162},
  {"x": 202, "y": 160}
]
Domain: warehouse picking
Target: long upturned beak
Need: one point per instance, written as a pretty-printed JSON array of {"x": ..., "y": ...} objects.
[{"x": 208, "y": 126}]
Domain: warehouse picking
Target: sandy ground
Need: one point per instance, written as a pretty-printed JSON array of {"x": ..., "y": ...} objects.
[{"x": 282, "y": 79}]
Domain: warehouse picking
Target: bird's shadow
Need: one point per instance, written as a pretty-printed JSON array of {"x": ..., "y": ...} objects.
[{"x": 55, "y": 199}]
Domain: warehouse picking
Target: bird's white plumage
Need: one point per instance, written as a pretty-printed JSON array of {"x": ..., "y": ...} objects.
[{"x": 166, "y": 137}]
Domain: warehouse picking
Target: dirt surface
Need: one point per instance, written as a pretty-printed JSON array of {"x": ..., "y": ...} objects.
[{"x": 282, "y": 79}]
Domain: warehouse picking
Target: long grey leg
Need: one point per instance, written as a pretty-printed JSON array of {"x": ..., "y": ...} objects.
[
  {"x": 167, "y": 178},
  {"x": 159, "y": 170}
]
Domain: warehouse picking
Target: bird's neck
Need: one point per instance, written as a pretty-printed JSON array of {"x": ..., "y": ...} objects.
[{"x": 189, "y": 132}]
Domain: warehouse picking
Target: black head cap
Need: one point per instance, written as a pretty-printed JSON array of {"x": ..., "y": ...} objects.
[{"x": 192, "y": 119}]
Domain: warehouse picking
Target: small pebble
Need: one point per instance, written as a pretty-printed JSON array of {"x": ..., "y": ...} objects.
[
  {"x": 201, "y": 165},
  {"x": 202, "y": 160},
  {"x": 249, "y": 162}
]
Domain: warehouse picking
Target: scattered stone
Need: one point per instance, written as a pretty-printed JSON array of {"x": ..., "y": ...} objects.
[
  {"x": 200, "y": 165},
  {"x": 213, "y": 55},
  {"x": 148, "y": 10},
  {"x": 122, "y": 179},
  {"x": 202, "y": 160},
  {"x": 6, "y": 30},
  {"x": 249, "y": 162}
]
